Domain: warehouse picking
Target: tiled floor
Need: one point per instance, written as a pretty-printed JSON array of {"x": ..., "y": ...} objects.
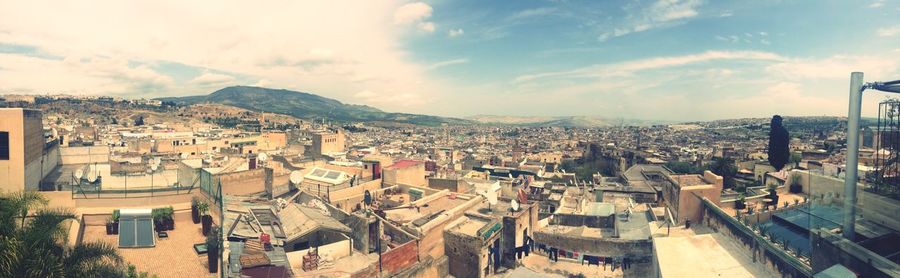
[{"x": 171, "y": 257}]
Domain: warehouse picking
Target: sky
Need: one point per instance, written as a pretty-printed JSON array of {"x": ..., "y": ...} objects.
[{"x": 652, "y": 60}]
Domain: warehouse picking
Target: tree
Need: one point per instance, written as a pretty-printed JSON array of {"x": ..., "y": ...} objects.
[
  {"x": 139, "y": 121},
  {"x": 724, "y": 166},
  {"x": 34, "y": 244},
  {"x": 779, "y": 138}
]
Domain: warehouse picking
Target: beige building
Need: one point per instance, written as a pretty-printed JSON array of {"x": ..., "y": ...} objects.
[
  {"x": 405, "y": 172},
  {"x": 327, "y": 142},
  {"x": 683, "y": 194},
  {"x": 25, "y": 157}
]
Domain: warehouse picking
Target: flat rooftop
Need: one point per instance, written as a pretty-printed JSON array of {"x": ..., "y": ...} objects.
[
  {"x": 689, "y": 180},
  {"x": 470, "y": 226},
  {"x": 712, "y": 255},
  {"x": 434, "y": 206},
  {"x": 579, "y": 231}
]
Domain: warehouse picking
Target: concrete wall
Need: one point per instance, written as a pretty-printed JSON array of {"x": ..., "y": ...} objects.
[
  {"x": 514, "y": 228},
  {"x": 347, "y": 199},
  {"x": 412, "y": 175},
  {"x": 426, "y": 268},
  {"x": 12, "y": 177},
  {"x": 596, "y": 246},
  {"x": 332, "y": 251},
  {"x": 243, "y": 182},
  {"x": 830, "y": 249},
  {"x": 689, "y": 206},
  {"x": 39, "y": 168},
  {"x": 763, "y": 251},
  {"x": 84, "y": 155},
  {"x": 468, "y": 256},
  {"x": 398, "y": 258}
]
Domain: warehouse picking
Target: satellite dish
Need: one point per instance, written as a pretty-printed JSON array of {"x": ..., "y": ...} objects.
[
  {"x": 78, "y": 174},
  {"x": 514, "y": 204},
  {"x": 91, "y": 176},
  {"x": 153, "y": 167},
  {"x": 184, "y": 155},
  {"x": 296, "y": 177},
  {"x": 262, "y": 157}
]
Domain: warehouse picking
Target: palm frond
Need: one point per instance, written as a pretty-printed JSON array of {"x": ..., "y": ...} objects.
[
  {"x": 90, "y": 254},
  {"x": 99, "y": 269},
  {"x": 11, "y": 256},
  {"x": 44, "y": 264}
]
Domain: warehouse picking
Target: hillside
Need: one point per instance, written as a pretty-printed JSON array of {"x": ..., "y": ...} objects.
[{"x": 306, "y": 106}]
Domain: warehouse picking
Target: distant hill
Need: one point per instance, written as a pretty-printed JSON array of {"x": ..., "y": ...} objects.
[
  {"x": 307, "y": 106},
  {"x": 563, "y": 121}
]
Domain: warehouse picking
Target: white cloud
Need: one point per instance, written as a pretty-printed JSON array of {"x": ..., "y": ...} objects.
[
  {"x": 412, "y": 12},
  {"x": 876, "y": 4},
  {"x": 455, "y": 32},
  {"x": 405, "y": 100},
  {"x": 210, "y": 78},
  {"x": 889, "y": 31},
  {"x": 661, "y": 13},
  {"x": 427, "y": 26},
  {"x": 447, "y": 63},
  {"x": 532, "y": 13},
  {"x": 668, "y": 10},
  {"x": 630, "y": 67},
  {"x": 309, "y": 46},
  {"x": 93, "y": 75},
  {"x": 836, "y": 67}
]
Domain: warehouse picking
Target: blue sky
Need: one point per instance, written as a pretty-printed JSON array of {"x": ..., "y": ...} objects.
[{"x": 678, "y": 60}]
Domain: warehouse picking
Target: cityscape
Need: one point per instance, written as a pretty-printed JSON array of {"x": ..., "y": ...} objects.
[{"x": 450, "y": 139}]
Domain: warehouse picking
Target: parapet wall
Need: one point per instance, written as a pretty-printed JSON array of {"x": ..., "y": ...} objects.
[
  {"x": 763, "y": 251},
  {"x": 596, "y": 246}
]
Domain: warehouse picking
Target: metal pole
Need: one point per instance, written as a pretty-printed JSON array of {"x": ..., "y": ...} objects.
[{"x": 850, "y": 178}]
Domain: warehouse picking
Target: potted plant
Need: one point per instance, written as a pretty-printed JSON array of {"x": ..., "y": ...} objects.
[
  {"x": 205, "y": 219},
  {"x": 212, "y": 250},
  {"x": 169, "y": 218},
  {"x": 741, "y": 203},
  {"x": 109, "y": 226},
  {"x": 115, "y": 222},
  {"x": 195, "y": 211},
  {"x": 157, "y": 219}
]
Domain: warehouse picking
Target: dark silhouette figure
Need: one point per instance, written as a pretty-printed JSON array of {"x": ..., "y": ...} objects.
[{"x": 779, "y": 154}]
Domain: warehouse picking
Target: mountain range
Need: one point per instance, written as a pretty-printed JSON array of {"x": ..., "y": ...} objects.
[
  {"x": 314, "y": 107},
  {"x": 307, "y": 106}
]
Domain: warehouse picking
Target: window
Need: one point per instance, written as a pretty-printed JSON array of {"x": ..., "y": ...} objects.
[{"x": 4, "y": 145}]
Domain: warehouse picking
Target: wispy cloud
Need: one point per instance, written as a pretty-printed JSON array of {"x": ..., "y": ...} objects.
[
  {"x": 889, "y": 31},
  {"x": 412, "y": 12},
  {"x": 629, "y": 67},
  {"x": 455, "y": 32},
  {"x": 876, "y": 4},
  {"x": 415, "y": 13},
  {"x": 532, "y": 13},
  {"x": 448, "y": 63},
  {"x": 661, "y": 13}
]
